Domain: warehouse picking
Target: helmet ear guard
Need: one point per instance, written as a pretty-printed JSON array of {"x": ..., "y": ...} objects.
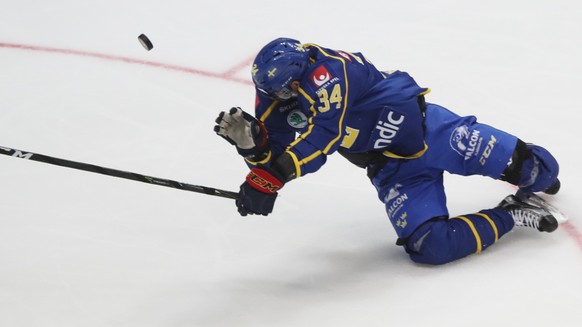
[{"x": 277, "y": 64}]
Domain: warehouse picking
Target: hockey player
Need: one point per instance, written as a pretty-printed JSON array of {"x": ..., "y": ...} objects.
[{"x": 337, "y": 101}]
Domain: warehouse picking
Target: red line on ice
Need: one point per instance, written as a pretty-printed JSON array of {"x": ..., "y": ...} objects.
[
  {"x": 570, "y": 229},
  {"x": 573, "y": 233},
  {"x": 228, "y": 75}
]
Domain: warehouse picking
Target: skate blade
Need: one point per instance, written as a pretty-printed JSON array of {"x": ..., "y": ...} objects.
[{"x": 534, "y": 199}]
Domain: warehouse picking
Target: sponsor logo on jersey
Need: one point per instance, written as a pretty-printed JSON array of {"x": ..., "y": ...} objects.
[
  {"x": 326, "y": 84},
  {"x": 345, "y": 55},
  {"x": 289, "y": 105},
  {"x": 320, "y": 76},
  {"x": 487, "y": 151},
  {"x": 396, "y": 204},
  {"x": 388, "y": 129},
  {"x": 393, "y": 193},
  {"x": 465, "y": 142},
  {"x": 402, "y": 222},
  {"x": 297, "y": 119}
]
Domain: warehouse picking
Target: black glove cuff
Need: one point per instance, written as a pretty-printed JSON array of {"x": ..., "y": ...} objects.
[
  {"x": 512, "y": 173},
  {"x": 260, "y": 137}
]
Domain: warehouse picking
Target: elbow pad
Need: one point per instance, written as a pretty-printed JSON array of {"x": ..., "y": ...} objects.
[{"x": 285, "y": 167}]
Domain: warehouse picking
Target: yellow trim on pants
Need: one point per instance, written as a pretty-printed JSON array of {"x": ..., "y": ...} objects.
[
  {"x": 492, "y": 224},
  {"x": 474, "y": 230}
]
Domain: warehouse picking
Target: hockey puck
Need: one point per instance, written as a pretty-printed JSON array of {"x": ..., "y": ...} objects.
[{"x": 145, "y": 42}]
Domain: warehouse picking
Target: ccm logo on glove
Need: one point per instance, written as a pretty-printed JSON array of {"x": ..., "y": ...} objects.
[{"x": 263, "y": 181}]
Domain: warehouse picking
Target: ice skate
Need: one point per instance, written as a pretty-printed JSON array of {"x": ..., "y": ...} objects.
[{"x": 529, "y": 210}]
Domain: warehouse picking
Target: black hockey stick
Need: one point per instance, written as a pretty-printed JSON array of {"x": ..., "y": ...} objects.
[{"x": 116, "y": 173}]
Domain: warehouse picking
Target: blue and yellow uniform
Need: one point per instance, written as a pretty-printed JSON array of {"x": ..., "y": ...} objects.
[
  {"x": 344, "y": 103},
  {"x": 379, "y": 121}
]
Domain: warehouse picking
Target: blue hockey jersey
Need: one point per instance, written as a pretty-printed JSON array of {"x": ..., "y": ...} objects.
[{"x": 344, "y": 103}]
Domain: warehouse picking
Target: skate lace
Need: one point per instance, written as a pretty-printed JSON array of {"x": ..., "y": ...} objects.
[{"x": 527, "y": 218}]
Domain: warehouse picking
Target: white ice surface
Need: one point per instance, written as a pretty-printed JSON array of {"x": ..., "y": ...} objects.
[{"x": 81, "y": 249}]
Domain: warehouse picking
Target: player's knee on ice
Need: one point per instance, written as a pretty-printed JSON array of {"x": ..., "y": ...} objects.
[{"x": 442, "y": 240}]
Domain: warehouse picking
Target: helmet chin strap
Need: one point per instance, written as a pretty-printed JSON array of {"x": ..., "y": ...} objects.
[{"x": 290, "y": 95}]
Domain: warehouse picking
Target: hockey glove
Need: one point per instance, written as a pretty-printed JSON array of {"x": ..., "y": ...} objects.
[
  {"x": 533, "y": 169},
  {"x": 539, "y": 172},
  {"x": 258, "y": 193},
  {"x": 244, "y": 131}
]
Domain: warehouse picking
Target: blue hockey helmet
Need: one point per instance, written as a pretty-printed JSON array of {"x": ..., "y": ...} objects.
[{"x": 280, "y": 62}]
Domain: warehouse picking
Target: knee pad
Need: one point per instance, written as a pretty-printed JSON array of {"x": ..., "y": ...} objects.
[
  {"x": 442, "y": 240},
  {"x": 428, "y": 244}
]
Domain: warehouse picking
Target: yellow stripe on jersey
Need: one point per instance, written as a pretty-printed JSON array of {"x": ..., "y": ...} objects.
[
  {"x": 413, "y": 156},
  {"x": 302, "y": 91},
  {"x": 474, "y": 230},
  {"x": 312, "y": 109},
  {"x": 311, "y": 157},
  {"x": 269, "y": 110},
  {"x": 425, "y": 92},
  {"x": 302, "y": 136},
  {"x": 296, "y": 163},
  {"x": 309, "y": 121},
  {"x": 345, "y": 106},
  {"x": 341, "y": 120}
]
